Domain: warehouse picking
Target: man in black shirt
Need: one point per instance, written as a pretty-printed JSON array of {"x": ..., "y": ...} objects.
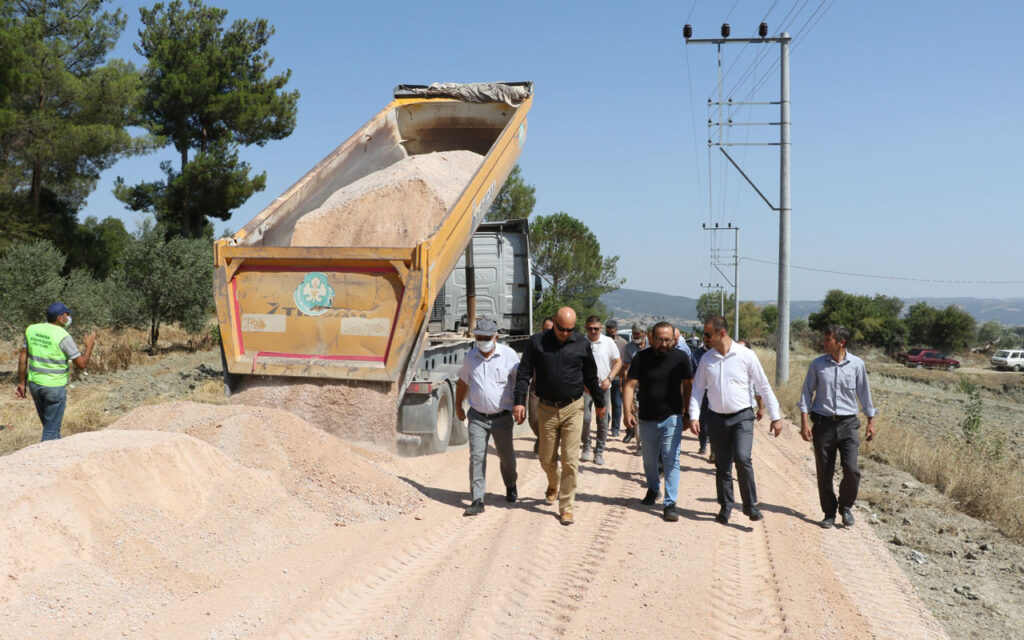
[
  {"x": 562, "y": 362},
  {"x": 665, "y": 375}
]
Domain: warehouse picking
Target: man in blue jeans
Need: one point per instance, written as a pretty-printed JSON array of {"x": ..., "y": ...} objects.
[
  {"x": 43, "y": 366},
  {"x": 665, "y": 375}
]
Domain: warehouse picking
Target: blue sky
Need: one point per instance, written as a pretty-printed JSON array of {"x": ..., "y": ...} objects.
[{"x": 906, "y": 130}]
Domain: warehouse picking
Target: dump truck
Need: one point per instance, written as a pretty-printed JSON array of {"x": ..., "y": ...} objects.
[{"x": 350, "y": 275}]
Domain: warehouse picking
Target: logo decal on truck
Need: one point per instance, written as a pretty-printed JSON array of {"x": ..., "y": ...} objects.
[{"x": 314, "y": 295}]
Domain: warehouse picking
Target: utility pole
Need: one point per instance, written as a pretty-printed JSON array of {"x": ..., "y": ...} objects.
[
  {"x": 782, "y": 346},
  {"x": 721, "y": 296},
  {"x": 735, "y": 264}
]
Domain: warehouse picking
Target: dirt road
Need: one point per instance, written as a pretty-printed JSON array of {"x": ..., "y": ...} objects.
[{"x": 514, "y": 571}]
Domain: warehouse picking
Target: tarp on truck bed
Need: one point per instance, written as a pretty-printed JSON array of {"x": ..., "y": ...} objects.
[{"x": 511, "y": 93}]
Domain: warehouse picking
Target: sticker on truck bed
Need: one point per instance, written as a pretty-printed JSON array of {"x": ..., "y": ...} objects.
[{"x": 314, "y": 295}]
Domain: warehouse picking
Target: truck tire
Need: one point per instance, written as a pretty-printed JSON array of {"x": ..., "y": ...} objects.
[
  {"x": 460, "y": 430},
  {"x": 437, "y": 442}
]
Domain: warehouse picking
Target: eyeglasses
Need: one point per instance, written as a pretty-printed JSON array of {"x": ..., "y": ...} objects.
[
  {"x": 563, "y": 329},
  {"x": 593, "y": 328}
]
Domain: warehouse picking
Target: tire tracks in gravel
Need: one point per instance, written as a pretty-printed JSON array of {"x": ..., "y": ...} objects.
[
  {"x": 877, "y": 589},
  {"x": 473, "y": 561}
]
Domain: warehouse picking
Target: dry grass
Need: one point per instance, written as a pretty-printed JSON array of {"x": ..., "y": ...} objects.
[{"x": 985, "y": 481}]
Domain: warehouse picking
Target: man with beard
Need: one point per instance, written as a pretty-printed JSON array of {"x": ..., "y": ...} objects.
[{"x": 665, "y": 377}]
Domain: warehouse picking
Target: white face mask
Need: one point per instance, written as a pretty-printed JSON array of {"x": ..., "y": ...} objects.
[
  {"x": 68, "y": 323},
  {"x": 638, "y": 340},
  {"x": 485, "y": 346}
]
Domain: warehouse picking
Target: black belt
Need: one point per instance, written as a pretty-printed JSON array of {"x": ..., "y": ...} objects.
[
  {"x": 821, "y": 416},
  {"x": 729, "y": 415},
  {"x": 489, "y": 416},
  {"x": 558, "y": 404}
]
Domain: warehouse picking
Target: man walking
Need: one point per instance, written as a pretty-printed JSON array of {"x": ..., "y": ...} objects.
[
  {"x": 726, "y": 372},
  {"x": 606, "y": 356},
  {"x": 487, "y": 377},
  {"x": 563, "y": 362},
  {"x": 43, "y": 364},
  {"x": 834, "y": 384},
  {"x": 665, "y": 375},
  {"x": 611, "y": 329}
]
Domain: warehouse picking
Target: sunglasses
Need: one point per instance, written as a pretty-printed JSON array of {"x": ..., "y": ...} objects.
[
  {"x": 593, "y": 328},
  {"x": 563, "y": 329}
]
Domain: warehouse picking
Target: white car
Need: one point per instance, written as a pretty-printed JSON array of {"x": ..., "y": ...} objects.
[{"x": 1008, "y": 359}]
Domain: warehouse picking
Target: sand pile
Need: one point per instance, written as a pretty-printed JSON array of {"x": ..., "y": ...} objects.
[
  {"x": 398, "y": 206},
  {"x": 111, "y": 527},
  {"x": 357, "y": 411},
  {"x": 315, "y": 467}
]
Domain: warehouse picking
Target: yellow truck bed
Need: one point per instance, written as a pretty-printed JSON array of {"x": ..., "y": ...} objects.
[{"x": 359, "y": 313}]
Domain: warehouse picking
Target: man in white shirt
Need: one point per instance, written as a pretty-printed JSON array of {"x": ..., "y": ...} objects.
[
  {"x": 726, "y": 373},
  {"x": 488, "y": 377},
  {"x": 606, "y": 356}
]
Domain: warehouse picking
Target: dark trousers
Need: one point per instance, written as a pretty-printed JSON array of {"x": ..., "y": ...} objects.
[
  {"x": 732, "y": 440},
  {"x": 616, "y": 406},
  {"x": 828, "y": 437},
  {"x": 702, "y": 435}
]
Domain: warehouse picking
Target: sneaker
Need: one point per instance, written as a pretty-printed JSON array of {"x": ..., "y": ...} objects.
[
  {"x": 566, "y": 518},
  {"x": 474, "y": 509},
  {"x": 650, "y": 498},
  {"x": 670, "y": 514},
  {"x": 827, "y": 522},
  {"x": 551, "y": 495},
  {"x": 598, "y": 458},
  {"x": 585, "y": 455},
  {"x": 847, "y": 517},
  {"x": 615, "y": 434},
  {"x": 511, "y": 494}
]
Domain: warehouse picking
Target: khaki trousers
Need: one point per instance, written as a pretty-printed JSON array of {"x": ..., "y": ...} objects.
[{"x": 565, "y": 424}]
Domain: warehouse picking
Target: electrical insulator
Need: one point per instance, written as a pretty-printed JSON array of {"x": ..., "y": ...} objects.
[
  {"x": 687, "y": 31},
  {"x": 763, "y": 29},
  {"x": 725, "y": 30}
]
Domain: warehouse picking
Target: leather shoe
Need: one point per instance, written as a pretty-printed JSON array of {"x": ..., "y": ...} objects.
[
  {"x": 827, "y": 523},
  {"x": 753, "y": 513},
  {"x": 670, "y": 514},
  {"x": 847, "y": 517},
  {"x": 723, "y": 516},
  {"x": 474, "y": 509},
  {"x": 511, "y": 493},
  {"x": 551, "y": 495},
  {"x": 650, "y": 498},
  {"x": 566, "y": 518},
  {"x": 630, "y": 434}
]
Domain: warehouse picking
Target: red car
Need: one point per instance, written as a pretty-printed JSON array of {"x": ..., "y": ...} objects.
[{"x": 930, "y": 358}]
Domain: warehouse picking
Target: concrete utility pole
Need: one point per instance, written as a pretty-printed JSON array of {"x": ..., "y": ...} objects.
[
  {"x": 735, "y": 264},
  {"x": 782, "y": 345}
]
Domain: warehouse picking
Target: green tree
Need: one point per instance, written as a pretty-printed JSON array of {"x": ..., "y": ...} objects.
[
  {"x": 770, "y": 318},
  {"x": 207, "y": 92},
  {"x": 953, "y": 329},
  {"x": 710, "y": 304},
  {"x": 68, "y": 119},
  {"x": 99, "y": 246},
  {"x": 990, "y": 333},
  {"x": 515, "y": 200},
  {"x": 751, "y": 324},
  {"x": 568, "y": 255},
  {"x": 165, "y": 281},
  {"x": 873, "y": 321},
  {"x": 919, "y": 321}
]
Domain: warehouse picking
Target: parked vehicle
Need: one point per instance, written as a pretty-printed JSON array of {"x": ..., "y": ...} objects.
[
  {"x": 928, "y": 358},
  {"x": 1008, "y": 359}
]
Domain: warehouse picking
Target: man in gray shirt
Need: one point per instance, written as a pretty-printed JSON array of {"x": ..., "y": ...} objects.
[{"x": 834, "y": 384}]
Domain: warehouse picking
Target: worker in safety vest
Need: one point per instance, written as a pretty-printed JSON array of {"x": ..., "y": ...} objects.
[{"x": 45, "y": 353}]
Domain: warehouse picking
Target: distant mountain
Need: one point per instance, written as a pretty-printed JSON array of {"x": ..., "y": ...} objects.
[{"x": 646, "y": 306}]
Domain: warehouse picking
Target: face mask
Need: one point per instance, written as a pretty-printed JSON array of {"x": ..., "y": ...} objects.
[
  {"x": 638, "y": 340},
  {"x": 485, "y": 346},
  {"x": 68, "y": 323}
]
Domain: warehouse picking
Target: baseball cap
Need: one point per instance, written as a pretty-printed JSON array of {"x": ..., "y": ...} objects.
[
  {"x": 56, "y": 309},
  {"x": 611, "y": 324},
  {"x": 485, "y": 327}
]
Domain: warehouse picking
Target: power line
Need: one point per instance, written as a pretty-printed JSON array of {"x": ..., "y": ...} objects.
[{"x": 878, "y": 277}]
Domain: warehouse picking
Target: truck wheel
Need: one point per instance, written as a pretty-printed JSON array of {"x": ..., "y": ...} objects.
[
  {"x": 460, "y": 430},
  {"x": 437, "y": 442},
  {"x": 231, "y": 380}
]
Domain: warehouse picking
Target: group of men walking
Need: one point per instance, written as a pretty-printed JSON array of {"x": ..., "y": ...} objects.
[{"x": 717, "y": 391}]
